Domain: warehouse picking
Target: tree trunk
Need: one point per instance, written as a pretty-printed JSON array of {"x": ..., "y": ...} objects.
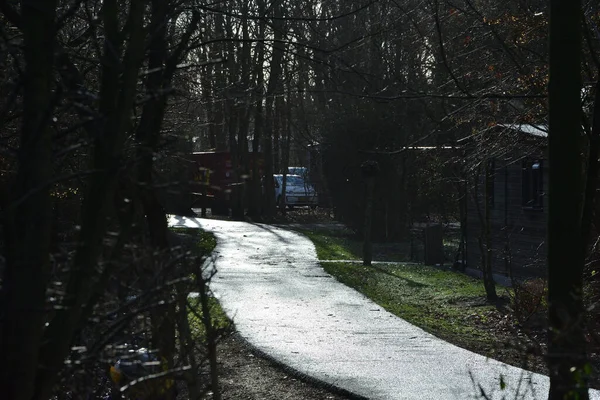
[
  {"x": 367, "y": 240},
  {"x": 285, "y": 156},
  {"x": 255, "y": 195},
  {"x": 273, "y": 85},
  {"x": 567, "y": 356},
  {"x": 484, "y": 240},
  {"x": 237, "y": 208},
  {"x": 488, "y": 276},
  {"x": 148, "y": 136},
  {"x": 148, "y": 132},
  {"x": 591, "y": 184},
  {"x": 23, "y": 296},
  {"x": 244, "y": 114},
  {"x": 219, "y": 108},
  {"x": 211, "y": 336},
  {"x": 117, "y": 95}
]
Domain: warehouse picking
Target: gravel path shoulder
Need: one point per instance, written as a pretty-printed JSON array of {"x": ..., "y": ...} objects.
[{"x": 245, "y": 374}]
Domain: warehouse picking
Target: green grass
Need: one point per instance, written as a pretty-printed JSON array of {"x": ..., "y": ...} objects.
[
  {"x": 219, "y": 319},
  {"x": 332, "y": 245},
  {"x": 202, "y": 243},
  {"x": 441, "y": 302},
  {"x": 445, "y": 303},
  {"x": 343, "y": 245},
  {"x": 206, "y": 242}
]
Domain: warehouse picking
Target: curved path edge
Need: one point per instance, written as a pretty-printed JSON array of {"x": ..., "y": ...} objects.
[{"x": 292, "y": 312}]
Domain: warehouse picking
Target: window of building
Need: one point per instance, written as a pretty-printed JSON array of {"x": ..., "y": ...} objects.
[{"x": 533, "y": 185}]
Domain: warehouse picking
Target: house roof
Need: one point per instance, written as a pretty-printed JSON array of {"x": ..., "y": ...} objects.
[
  {"x": 535, "y": 130},
  {"x": 538, "y": 130}
]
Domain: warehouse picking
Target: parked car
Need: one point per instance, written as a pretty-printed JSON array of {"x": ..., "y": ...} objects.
[
  {"x": 297, "y": 192},
  {"x": 302, "y": 171}
]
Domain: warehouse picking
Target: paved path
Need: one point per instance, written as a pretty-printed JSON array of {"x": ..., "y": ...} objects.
[{"x": 284, "y": 304}]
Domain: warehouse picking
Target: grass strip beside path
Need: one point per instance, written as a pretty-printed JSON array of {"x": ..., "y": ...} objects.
[
  {"x": 335, "y": 244},
  {"x": 332, "y": 245},
  {"x": 440, "y": 302},
  {"x": 202, "y": 244},
  {"x": 446, "y": 303}
]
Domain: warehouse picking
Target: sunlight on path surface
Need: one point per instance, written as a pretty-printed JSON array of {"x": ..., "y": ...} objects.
[{"x": 269, "y": 280}]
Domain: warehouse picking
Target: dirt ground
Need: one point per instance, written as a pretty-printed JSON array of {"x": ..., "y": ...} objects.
[{"x": 247, "y": 376}]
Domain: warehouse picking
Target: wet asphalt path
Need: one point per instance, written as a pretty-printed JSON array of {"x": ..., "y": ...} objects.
[{"x": 282, "y": 302}]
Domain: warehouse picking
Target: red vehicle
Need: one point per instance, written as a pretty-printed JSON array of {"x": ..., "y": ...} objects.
[{"x": 214, "y": 179}]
